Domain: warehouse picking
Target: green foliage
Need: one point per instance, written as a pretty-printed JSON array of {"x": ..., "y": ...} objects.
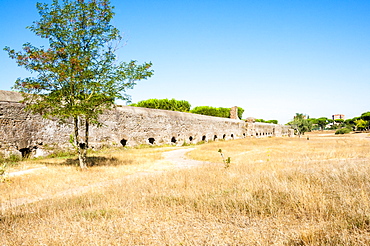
[
  {"x": 267, "y": 121},
  {"x": 60, "y": 153},
  {"x": 334, "y": 127},
  {"x": 349, "y": 122},
  {"x": 186, "y": 144},
  {"x": 11, "y": 160},
  {"x": 14, "y": 158},
  {"x": 240, "y": 112},
  {"x": 184, "y": 106},
  {"x": 322, "y": 122},
  {"x": 366, "y": 116},
  {"x": 166, "y": 104},
  {"x": 5, "y": 163},
  {"x": 343, "y": 131},
  {"x": 71, "y": 139},
  {"x": 300, "y": 124},
  {"x": 211, "y": 111},
  {"x": 78, "y": 75},
  {"x": 271, "y": 121},
  {"x": 361, "y": 124}
]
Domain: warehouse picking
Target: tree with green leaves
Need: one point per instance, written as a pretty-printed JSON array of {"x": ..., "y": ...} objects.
[
  {"x": 78, "y": 75},
  {"x": 361, "y": 124},
  {"x": 339, "y": 121},
  {"x": 322, "y": 122},
  {"x": 313, "y": 122},
  {"x": 366, "y": 117},
  {"x": 300, "y": 124}
]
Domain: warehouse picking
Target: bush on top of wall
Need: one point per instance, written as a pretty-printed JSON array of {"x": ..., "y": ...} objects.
[
  {"x": 240, "y": 112},
  {"x": 184, "y": 106},
  {"x": 211, "y": 111},
  {"x": 166, "y": 104}
]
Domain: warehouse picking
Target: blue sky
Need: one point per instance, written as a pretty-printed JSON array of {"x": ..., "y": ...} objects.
[{"x": 273, "y": 58}]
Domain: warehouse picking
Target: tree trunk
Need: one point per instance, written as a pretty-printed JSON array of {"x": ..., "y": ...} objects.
[
  {"x": 81, "y": 147},
  {"x": 82, "y": 153},
  {"x": 87, "y": 133}
]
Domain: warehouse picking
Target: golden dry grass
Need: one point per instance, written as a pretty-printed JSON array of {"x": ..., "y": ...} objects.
[
  {"x": 277, "y": 191},
  {"x": 63, "y": 173}
]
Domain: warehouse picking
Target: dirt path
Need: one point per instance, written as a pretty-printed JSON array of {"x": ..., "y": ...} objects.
[{"x": 176, "y": 157}]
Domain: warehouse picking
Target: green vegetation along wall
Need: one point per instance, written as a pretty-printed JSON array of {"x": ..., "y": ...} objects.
[
  {"x": 211, "y": 111},
  {"x": 166, "y": 104},
  {"x": 184, "y": 106}
]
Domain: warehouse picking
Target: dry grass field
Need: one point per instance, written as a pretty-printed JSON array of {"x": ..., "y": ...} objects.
[{"x": 277, "y": 191}]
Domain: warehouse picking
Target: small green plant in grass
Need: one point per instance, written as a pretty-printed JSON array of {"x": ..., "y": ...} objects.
[
  {"x": 226, "y": 161},
  {"x": 185, "y": 144},
  {"x": 2, "y": 172},
  {"x": 62, "y": 153},
  {"x": 14, "y": 158}
]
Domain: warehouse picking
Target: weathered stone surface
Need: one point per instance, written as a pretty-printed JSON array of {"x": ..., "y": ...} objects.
[
  {"x": 234, "y": 113},
  {"x": 124, "y": 125},
  {"x": 10, "y": 96}
]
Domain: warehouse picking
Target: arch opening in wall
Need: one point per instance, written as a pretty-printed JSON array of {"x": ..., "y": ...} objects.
[
  {"x": 204, "y": 138},
  {"x": 191, "y": 138},
  {"x": 232, "y": 136},
  {"x": 214, "y": 137},
  {"x": 151, "y": 140},
  {"x": 123, "y": 142},
  {"x": 224, "y": 136},
  {"x": 173, "y": 140},
  {"x": 244, "y": 134}
]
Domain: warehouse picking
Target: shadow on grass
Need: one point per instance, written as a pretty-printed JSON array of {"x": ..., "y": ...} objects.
[{"x": 98, "y": 161}]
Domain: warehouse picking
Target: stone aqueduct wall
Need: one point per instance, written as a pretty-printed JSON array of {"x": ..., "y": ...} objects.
[{"x": 21, "y": 131}]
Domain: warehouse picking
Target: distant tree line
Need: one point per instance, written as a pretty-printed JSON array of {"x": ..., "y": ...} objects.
[
  {"x": 184, "y": 106},
  {"x": 303, "y": 123}
]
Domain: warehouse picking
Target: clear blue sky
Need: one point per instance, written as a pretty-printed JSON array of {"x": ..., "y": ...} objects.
[{"x": 273, "y": 58}]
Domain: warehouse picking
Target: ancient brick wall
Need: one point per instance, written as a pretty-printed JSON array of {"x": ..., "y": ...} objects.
[{"x": 123, "y": 125}]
